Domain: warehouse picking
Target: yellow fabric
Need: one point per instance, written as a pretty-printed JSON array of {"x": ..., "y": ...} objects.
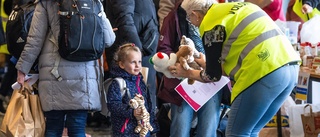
[
  {"x": 253, "y": 68},
  {"x": 3, "y": 48},
  {"x": 297, "y": 9}
]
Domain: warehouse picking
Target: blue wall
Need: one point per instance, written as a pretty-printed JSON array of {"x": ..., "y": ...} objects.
[{"x": 285, "y": 5}]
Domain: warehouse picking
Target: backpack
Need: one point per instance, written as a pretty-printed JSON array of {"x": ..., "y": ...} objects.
[
  {"x": 17, "y": 27},
  {"x": 81, "y": 35},
  {"x": 106, "y": 84}
]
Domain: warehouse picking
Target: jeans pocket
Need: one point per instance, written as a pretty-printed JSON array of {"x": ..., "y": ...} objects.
[{"x": 273, "y": 79}]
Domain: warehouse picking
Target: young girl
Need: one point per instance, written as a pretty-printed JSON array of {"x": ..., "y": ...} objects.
[{"x": 128, "y": 60}]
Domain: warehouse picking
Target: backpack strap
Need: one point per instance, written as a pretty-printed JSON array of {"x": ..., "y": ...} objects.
[
  {"x": 123, "y": 86},
  {"x": 55, "y": 71},
  {"x": 123, "y": 89}
]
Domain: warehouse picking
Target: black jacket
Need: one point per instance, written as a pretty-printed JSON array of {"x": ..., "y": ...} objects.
[{"x": 136, "y": 21}]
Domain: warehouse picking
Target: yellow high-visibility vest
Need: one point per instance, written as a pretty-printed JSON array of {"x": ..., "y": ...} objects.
[{"x": 254, "y": 45}]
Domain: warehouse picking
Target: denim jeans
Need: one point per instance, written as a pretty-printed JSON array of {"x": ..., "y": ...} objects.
[
  {"x": 208, "y": 118},
  {"x": 256, "y": 105},
  {"x": 74, "y": 120}
]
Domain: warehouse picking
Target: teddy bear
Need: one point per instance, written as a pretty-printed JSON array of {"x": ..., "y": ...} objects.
[
  {"x": 186, "y": 54},
  {"x": 161, "y": 62},
  {"x": 187, "y": 41},
  {"x": 143, "y": 121}
]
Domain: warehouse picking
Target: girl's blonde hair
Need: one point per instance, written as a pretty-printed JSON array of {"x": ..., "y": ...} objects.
[
  {"x": 123, "y": 51},
  {"x": 198, "y": 5}
]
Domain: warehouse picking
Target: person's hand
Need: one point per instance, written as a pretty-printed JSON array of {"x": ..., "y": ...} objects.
[
  {"x": 114, "y": 29},
  {"x": 21, "y": 77},
  {"x": 201, "y": 60},
  {"x": 137, "y": 112},
  {"x": 178, "y": 71},
  {"x": 306, "y": 9}
]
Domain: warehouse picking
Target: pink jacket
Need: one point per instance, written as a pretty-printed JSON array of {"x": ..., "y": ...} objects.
[{"x": 274, "y": 10}]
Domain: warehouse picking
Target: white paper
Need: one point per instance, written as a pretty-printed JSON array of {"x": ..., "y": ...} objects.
[
  {"x": 197, "y": 94},
  {"x": 30, "y": 79}
]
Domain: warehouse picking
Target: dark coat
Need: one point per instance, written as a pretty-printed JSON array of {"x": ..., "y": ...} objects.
[
  {"x": 137, "y": 23},
  {"x": 173, "y": 27},
  {"x": 119, "y": 106}
]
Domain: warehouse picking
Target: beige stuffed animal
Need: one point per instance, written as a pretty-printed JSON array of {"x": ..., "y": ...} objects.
[
  {"x": 144, "y": 125},
  {"x": 186, "y": 55}
]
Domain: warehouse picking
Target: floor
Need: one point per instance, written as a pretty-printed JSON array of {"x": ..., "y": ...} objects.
[{"x": 102, "y": 131}]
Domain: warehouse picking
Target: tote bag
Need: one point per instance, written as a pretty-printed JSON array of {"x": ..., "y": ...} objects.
[
  {"x": 24, "y": 116},
  {"x": 311, "y": 123}
]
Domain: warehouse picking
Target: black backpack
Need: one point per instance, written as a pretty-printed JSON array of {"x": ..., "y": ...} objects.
[
  {"x": 81, "y": 35},
  {"x": 17, "y": 28}
]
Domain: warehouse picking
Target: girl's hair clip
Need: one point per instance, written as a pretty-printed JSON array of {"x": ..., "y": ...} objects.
[{"x": 132, "y": 44}]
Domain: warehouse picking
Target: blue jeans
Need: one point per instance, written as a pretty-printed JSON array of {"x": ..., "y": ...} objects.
[
  {"x": 74, "y": 120},
  {"x": 208, "y": 118},
  {"x": 256, "y": 105}
]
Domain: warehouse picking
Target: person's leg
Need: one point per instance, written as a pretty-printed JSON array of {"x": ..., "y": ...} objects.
[
  {"x": 278, "y": 101},
  {"x": 9, "y": 78},
  {"x": 54, "y": 123},
  {"x": 256, "y": 105},
  {"x": 208, "y": 117},
  {"x": 181, "y": 118},
  {"x": 76, "y": 123}
]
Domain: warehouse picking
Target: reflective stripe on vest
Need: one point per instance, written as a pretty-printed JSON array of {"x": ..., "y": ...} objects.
[
  {"x": 236, "y": 32},
  {"x": 254, "y": 45},
  {"x": 264, "y": 36}
]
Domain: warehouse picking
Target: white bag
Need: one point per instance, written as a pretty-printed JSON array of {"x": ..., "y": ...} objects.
[
  {"x": 310, "y": 31},
  {"x": 296, "y": 129}
]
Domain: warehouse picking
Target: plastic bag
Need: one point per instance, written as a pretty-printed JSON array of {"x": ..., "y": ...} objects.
[{"x": 310, "y": 31}]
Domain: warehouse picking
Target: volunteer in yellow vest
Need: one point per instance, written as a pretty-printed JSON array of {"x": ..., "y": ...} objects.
[
  {"x": 243, "y": 42},
  {"x": 306, "y": 9}
]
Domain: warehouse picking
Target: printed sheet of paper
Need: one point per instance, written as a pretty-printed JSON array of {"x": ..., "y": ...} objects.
[{"x": 197, "y": 94}]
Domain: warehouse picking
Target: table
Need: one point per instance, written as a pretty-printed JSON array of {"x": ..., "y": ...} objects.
[{"x": 314, "y": 77}]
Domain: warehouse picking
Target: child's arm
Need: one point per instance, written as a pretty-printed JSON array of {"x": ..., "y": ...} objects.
[{"x": 115, "y": 102}]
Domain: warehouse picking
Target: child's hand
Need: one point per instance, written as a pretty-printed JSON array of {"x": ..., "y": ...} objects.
[{"x": 137, "y": 112}]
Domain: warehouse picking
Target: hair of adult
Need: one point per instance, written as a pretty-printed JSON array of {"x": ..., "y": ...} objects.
[
  {"x": 124, "y": 50},
  {"x": 197, "y": 5}
]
